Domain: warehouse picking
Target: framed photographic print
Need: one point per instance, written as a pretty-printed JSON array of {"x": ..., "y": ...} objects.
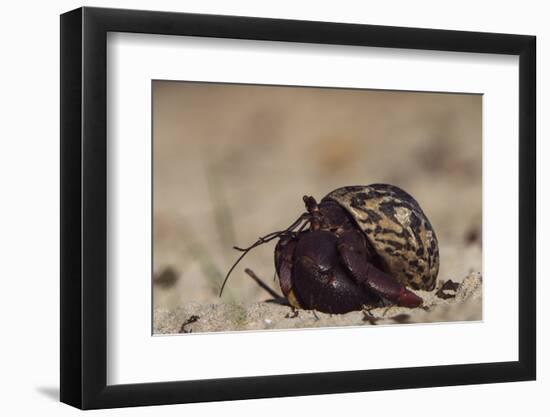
[{"x": 258, "y": 207}]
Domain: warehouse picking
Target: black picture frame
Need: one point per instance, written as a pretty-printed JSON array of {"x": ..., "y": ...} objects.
[{"x": 84, "y": 207}]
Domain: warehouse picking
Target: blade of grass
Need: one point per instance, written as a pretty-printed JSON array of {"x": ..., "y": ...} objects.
[
  {"x": 223, "y": 217},
  {"x": 200, "y": 252}
]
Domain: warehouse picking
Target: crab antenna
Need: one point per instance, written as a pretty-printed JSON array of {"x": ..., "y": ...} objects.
[
  {"x": 261, "y": 241},
  {"x": 272, "y": 235}
]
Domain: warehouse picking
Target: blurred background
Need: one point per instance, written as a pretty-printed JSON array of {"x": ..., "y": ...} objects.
[{"x": 232, "y": 162}]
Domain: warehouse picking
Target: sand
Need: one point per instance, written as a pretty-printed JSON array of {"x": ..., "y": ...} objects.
[{"x": 448, "y": 302}]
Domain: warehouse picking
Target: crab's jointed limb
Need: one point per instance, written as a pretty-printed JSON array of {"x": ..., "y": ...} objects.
[{"x": 354, "y": 253}]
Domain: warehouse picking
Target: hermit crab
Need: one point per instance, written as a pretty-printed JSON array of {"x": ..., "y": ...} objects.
[{"x": 359, "y": 246}]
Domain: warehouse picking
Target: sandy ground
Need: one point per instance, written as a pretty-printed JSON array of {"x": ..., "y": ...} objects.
[
  {"x": 232, "y": 162},
  {"x": 442, "y": 305}
]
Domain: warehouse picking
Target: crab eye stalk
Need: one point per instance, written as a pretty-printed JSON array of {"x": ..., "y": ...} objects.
[
  {"x": 311, "y": 204},
  {"x": 314, "y": 211}
]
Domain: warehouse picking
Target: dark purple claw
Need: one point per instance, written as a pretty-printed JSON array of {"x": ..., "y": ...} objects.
[{"x": 319, "y": 279}]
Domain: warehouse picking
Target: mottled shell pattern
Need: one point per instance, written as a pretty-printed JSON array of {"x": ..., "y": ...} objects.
[{"x": 397, "y": 230}]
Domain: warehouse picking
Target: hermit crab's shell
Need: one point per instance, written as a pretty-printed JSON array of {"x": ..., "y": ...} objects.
[{"x": 397, "y": 229}]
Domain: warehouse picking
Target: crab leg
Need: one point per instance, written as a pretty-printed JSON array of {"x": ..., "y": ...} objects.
[
  {"x": 284, "y": 252},
  {"x": 354, "y": 253}
]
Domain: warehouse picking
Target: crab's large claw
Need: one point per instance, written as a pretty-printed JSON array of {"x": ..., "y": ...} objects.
[
  {"x": 321, "y": 281},
  {"x": 354, "y": 253}
]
